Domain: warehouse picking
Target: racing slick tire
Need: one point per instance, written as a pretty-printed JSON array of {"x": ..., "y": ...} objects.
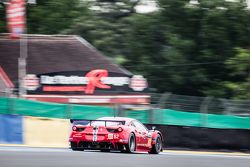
[
  {"x": 73, "y": 147},
  {"x": 130, "y": 147},
  {"x": 157, "y": 147}
]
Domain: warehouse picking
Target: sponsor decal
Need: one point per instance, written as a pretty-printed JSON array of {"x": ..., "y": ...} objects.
[
  {"x": 110, "y": 136},
  {"x": 77, "y": 135},
  {"x": 123, "y": 140},
  {"x": 116, "y": 136},
  {"x": 143, "y": 145},
  {"x": 149, "y": 142}
]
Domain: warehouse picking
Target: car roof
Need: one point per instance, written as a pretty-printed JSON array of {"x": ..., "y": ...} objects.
[{"x": 126, "y": 119}]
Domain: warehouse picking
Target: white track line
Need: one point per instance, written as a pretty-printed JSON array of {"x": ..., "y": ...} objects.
[{"x": 169, "y": 153}]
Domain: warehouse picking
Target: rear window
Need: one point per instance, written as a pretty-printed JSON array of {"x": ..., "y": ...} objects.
[
  {"x": 80, "y": 122},
  {"x": 108, "y": 123}
]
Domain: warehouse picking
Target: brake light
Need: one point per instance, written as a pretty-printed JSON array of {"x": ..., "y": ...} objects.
[
  {"x": 78, "y": 129},
  {"x": 119, "y": 129},
  {"x": 74, "y": 128},
  {"x": 111, "y": 130}
]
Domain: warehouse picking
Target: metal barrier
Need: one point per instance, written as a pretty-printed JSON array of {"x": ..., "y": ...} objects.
[
  {"x": 175, "y": 116},
  {"x": 201, "y": 104}
]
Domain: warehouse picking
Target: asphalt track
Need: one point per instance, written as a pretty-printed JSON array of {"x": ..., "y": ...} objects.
[{"x": 49, "y": 157}]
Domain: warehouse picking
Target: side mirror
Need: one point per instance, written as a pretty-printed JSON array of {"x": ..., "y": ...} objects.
[{"x": 153, "y": 128}]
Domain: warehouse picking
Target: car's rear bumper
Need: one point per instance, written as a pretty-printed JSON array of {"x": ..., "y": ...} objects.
[{"x": 90, "y": 145}]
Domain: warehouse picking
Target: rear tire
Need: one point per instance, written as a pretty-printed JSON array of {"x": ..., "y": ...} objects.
[
  {"x": 73, "y": 146},
  {"x": 131, "y": 146},
  {"x": 157, "y": 147}
]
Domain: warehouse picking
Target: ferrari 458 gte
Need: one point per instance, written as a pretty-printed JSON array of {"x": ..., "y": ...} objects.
[{"x": 114, "y": 133}]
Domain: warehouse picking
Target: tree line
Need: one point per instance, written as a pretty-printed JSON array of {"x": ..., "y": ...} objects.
[{"x": 198, "y": 50}]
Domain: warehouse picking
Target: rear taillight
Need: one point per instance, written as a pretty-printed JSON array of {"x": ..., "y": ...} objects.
[
  {"x": 80, "y": 129},
  {"x": 112, "y": 130},
  {"x": 115, "y": 130},
  {"x": 119, "y": 129},
  {"x": 74, "y": 128}
]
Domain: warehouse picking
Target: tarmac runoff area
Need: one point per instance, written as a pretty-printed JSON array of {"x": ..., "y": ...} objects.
[{"x": 16, "y": 156}]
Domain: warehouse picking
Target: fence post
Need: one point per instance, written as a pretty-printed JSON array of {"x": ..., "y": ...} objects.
[
  {"x": 117, "y": 110},
  {"x": 151, "y": 113},
  {"x": 68, "y": 110},
  {"x": 163, "y": 99},
  {"x": 204, "y": 110},
  {"x": 226, "y": 109},
  {"x": 11, "y": 106},
  {"x": 161, "y": 105}
]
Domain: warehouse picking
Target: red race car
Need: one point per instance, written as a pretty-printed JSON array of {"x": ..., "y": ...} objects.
[{"x": 114, "y": 133}]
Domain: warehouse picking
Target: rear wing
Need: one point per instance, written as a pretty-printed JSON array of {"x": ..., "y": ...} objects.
[{"x": 90, "y": 122}]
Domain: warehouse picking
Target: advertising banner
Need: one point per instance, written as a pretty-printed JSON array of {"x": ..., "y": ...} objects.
[
  {"x": 98, "y": 81},
  {"x": 15, "y": 11},
  {"x": 11, "y": 129}
]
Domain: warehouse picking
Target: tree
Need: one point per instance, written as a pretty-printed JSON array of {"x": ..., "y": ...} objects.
[
  {"x": 198, "y": 40},
  {"x": 181, "y": 48},
  {"x": 106, "y": 26},
  {"x": 53, "y": 16},
  {"x": 114, "y": 9},
  {"x": 2, "y": 19},
  {"x": 239, "y": 86}
]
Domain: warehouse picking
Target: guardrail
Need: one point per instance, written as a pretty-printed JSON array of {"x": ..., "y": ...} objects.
[
  {"x": 24, "y": 107},
  {"x": 197, "y": 104}
]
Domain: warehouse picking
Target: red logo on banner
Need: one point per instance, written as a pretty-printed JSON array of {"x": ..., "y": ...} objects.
[
  {"x": 94, "y": 80},
  {"x": 16, "y": 17}
]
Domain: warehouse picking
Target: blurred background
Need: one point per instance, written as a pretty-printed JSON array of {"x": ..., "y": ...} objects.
[{"x": 182, "y": 65}]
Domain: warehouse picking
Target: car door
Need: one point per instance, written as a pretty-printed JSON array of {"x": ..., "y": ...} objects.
[
  {"x": 137, "y": 133},
  {"x": 142, "y": 133}
]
